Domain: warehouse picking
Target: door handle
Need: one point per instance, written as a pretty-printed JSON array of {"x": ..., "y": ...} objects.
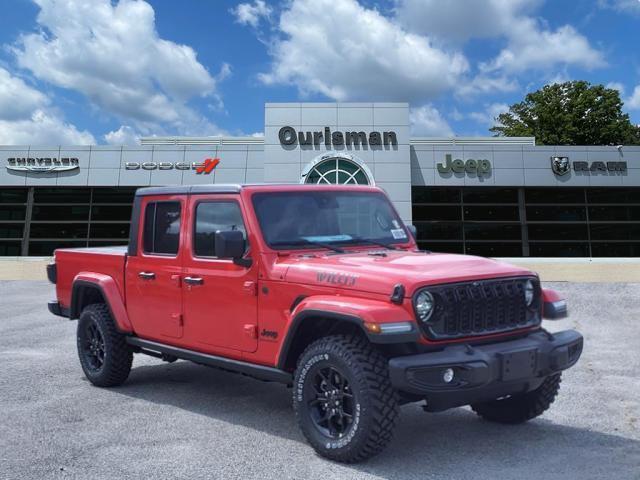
[
  {"x": 147, "y": 275},
  {"x": 193, "y": 280}
]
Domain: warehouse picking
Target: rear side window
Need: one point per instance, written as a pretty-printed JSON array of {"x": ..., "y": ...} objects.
[
  {"x": 211, "y": 217},
  {"x": 162, "y": 228}
]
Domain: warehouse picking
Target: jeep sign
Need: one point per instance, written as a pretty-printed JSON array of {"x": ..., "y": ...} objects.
[{"x": 470, "y": 166}]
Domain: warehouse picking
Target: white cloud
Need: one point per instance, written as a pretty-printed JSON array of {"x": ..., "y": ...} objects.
[
  {"x": 488, "y": 117},
  {"x": 251, "y": 14},
  {"x": 616, "y": 86},
  {"x": 484, "y": 84},
  {"x": 26, "y": 118},
  {"x": 17, "y": 99},
  {"x": 356, "y": 53},
  {"x": 125, "y": 135},
  {"x": 113, "y": 55},
  {"x": 459, "y": 21},
  {"x": 530, "y": 44},
  {"x": 624, "y": 6},
  {"x": 427, "y": 121},
  {"x": 633, "y": 102},
  {"x": 42, "y": 128},
  {"x": 532, "y": 48}
]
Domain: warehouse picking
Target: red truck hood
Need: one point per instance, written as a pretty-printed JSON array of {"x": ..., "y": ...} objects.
[{"x": 378, "y": 274}]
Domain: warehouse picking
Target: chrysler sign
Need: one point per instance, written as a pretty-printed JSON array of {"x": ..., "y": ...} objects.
[{"x": 42, "y": 164}]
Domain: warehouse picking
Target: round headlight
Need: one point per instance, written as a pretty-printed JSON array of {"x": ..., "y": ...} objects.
[
  {"x": 529, "y": 292},
  {"x": 424, "y": 305}
]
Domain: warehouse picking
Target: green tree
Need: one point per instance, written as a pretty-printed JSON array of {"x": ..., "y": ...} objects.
[{"x": 570, "y": 113}]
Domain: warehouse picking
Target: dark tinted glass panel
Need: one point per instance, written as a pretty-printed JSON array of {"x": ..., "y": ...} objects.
[
  {"x": 439, "y": 231},
  {"x": 12, "y": 212},
  {"x": 558, "y": 249},
  {"x": 491, "y": 212},
  {"x": 10, "y": 249},
  {"x": 61, "y": 212},
  {"x": 113, "y": 195},
  {"x": 599, "y": 249},
  {"x": 47, "y": 248},
  {"x": 13, "y": 195},
  {"x": 11, "y": 230},
  {"x": 211, "y": 217},
  {"x": 421, "y": 212},
  {"x": 59, "y": 230},
  {"x": 554, "y": 195},
  {"x": 490, "y": 195},
  {"x": 492, "y": 231},
  {"x": 162, "y": 228},
  {"x": 605, "y": 213},
  {"x": 109, "y": 230},
  {"x": 435, "y": 195},
  {"x": 613, "y": 195},
  {"x": 557, "y": 231},
  {"x": 62, "y": 195},
  {"x": 558, "y": 213},
  {"x": 608, "y": 231},
  {"x": 107, "y": 213},
  {"x": 494, "y": 249},
  {"x": 442, "y": 247}
]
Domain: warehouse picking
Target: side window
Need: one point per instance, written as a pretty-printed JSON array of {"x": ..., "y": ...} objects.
[
  {"x": 211, "y": 217},
  {"x": 162, "y": 228}
]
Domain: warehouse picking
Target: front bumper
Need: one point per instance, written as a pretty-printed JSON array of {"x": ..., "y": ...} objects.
[{"x": 485, "y": 372}]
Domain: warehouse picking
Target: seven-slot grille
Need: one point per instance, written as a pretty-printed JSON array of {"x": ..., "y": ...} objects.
[{"x": 480, "y": 308}]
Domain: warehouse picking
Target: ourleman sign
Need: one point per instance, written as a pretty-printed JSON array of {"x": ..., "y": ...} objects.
[
  {"x": 288, "y": 136},
  {"x": 42, "y": 164},
  {"x": 470, "y": 166}
]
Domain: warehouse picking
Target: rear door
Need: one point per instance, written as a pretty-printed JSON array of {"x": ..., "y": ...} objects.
[
  {"x": 153, "y": 276},
  {"x": 220, "y": 297}
]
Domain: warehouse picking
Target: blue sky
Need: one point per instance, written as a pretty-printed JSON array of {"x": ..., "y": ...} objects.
[{"x": 100, "y": 71}]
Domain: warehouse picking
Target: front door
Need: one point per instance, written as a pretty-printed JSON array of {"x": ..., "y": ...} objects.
[
  {"x": 220, "y": 297},
  {"x": 154, "y": 294}
]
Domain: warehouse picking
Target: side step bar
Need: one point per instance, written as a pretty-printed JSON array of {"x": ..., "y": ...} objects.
[{"x": 258, "y": 371}]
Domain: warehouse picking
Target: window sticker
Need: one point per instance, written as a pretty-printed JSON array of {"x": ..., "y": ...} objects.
[
  {"x": 395, "y": 224},
  {"x": 398, "y": 234}
]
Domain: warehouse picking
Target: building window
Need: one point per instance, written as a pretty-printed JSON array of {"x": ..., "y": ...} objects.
[
  {"x": 337, "y": 170},
  {"x": 536, "y": 222}
]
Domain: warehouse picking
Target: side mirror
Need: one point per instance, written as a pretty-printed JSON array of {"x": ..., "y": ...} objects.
[
  {"x": 414, "y": 232},
  {"x": 231, "y": 244}
]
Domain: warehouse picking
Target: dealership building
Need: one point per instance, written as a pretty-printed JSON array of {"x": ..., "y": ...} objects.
[{"x": 500, "y": 197}]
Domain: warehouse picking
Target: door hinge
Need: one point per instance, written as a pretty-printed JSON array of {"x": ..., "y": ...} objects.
[
  {"x": 251, "y": 287},
  {"x": 177, "y": 317},
  {"x": 251, "y": 330}
]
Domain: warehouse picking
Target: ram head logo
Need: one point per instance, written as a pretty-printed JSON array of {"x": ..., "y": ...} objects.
[{"x": 560, "y": 165}]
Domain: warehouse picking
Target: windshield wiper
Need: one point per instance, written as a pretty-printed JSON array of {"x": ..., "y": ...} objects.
[
  {"x": 373, "y": 242},
  {"x": 303, "y": 241}
]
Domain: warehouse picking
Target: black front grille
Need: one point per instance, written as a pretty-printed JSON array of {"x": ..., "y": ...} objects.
[{"x": 481, "y": 307}]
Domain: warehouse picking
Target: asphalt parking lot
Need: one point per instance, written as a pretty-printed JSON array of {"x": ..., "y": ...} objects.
[{"x": 186, "y": 421}]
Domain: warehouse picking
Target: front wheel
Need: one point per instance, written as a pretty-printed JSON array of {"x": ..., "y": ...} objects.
[
  {"x": 343, "y": 399},
  {"x": 522, "y": 407},
  {"x": 104, "y": 354}
]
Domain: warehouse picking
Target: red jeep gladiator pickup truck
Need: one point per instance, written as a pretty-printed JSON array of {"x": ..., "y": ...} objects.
[{"x": 321, "y": 288}]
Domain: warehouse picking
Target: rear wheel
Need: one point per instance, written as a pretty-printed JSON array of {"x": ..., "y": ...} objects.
[
  {"x": 104, "y": 355},
  {"x": 343, "y": 399},
  {"x": 522, "y": 407}
]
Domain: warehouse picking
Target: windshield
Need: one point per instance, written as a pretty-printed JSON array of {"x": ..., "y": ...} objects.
[{"x": 327, "y": 219}]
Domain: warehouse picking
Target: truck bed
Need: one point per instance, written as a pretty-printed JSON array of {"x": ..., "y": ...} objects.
[{"x": 102, "y": 260}]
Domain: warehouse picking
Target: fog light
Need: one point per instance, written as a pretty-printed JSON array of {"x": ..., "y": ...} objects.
[{"x": 447, "y": 376}]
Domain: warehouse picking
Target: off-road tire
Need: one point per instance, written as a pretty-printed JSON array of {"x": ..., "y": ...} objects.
[
  {"x": 117, "y": 355},
  {"x": 523, "y": 407},
  {"x": 374, "y": 399}
]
